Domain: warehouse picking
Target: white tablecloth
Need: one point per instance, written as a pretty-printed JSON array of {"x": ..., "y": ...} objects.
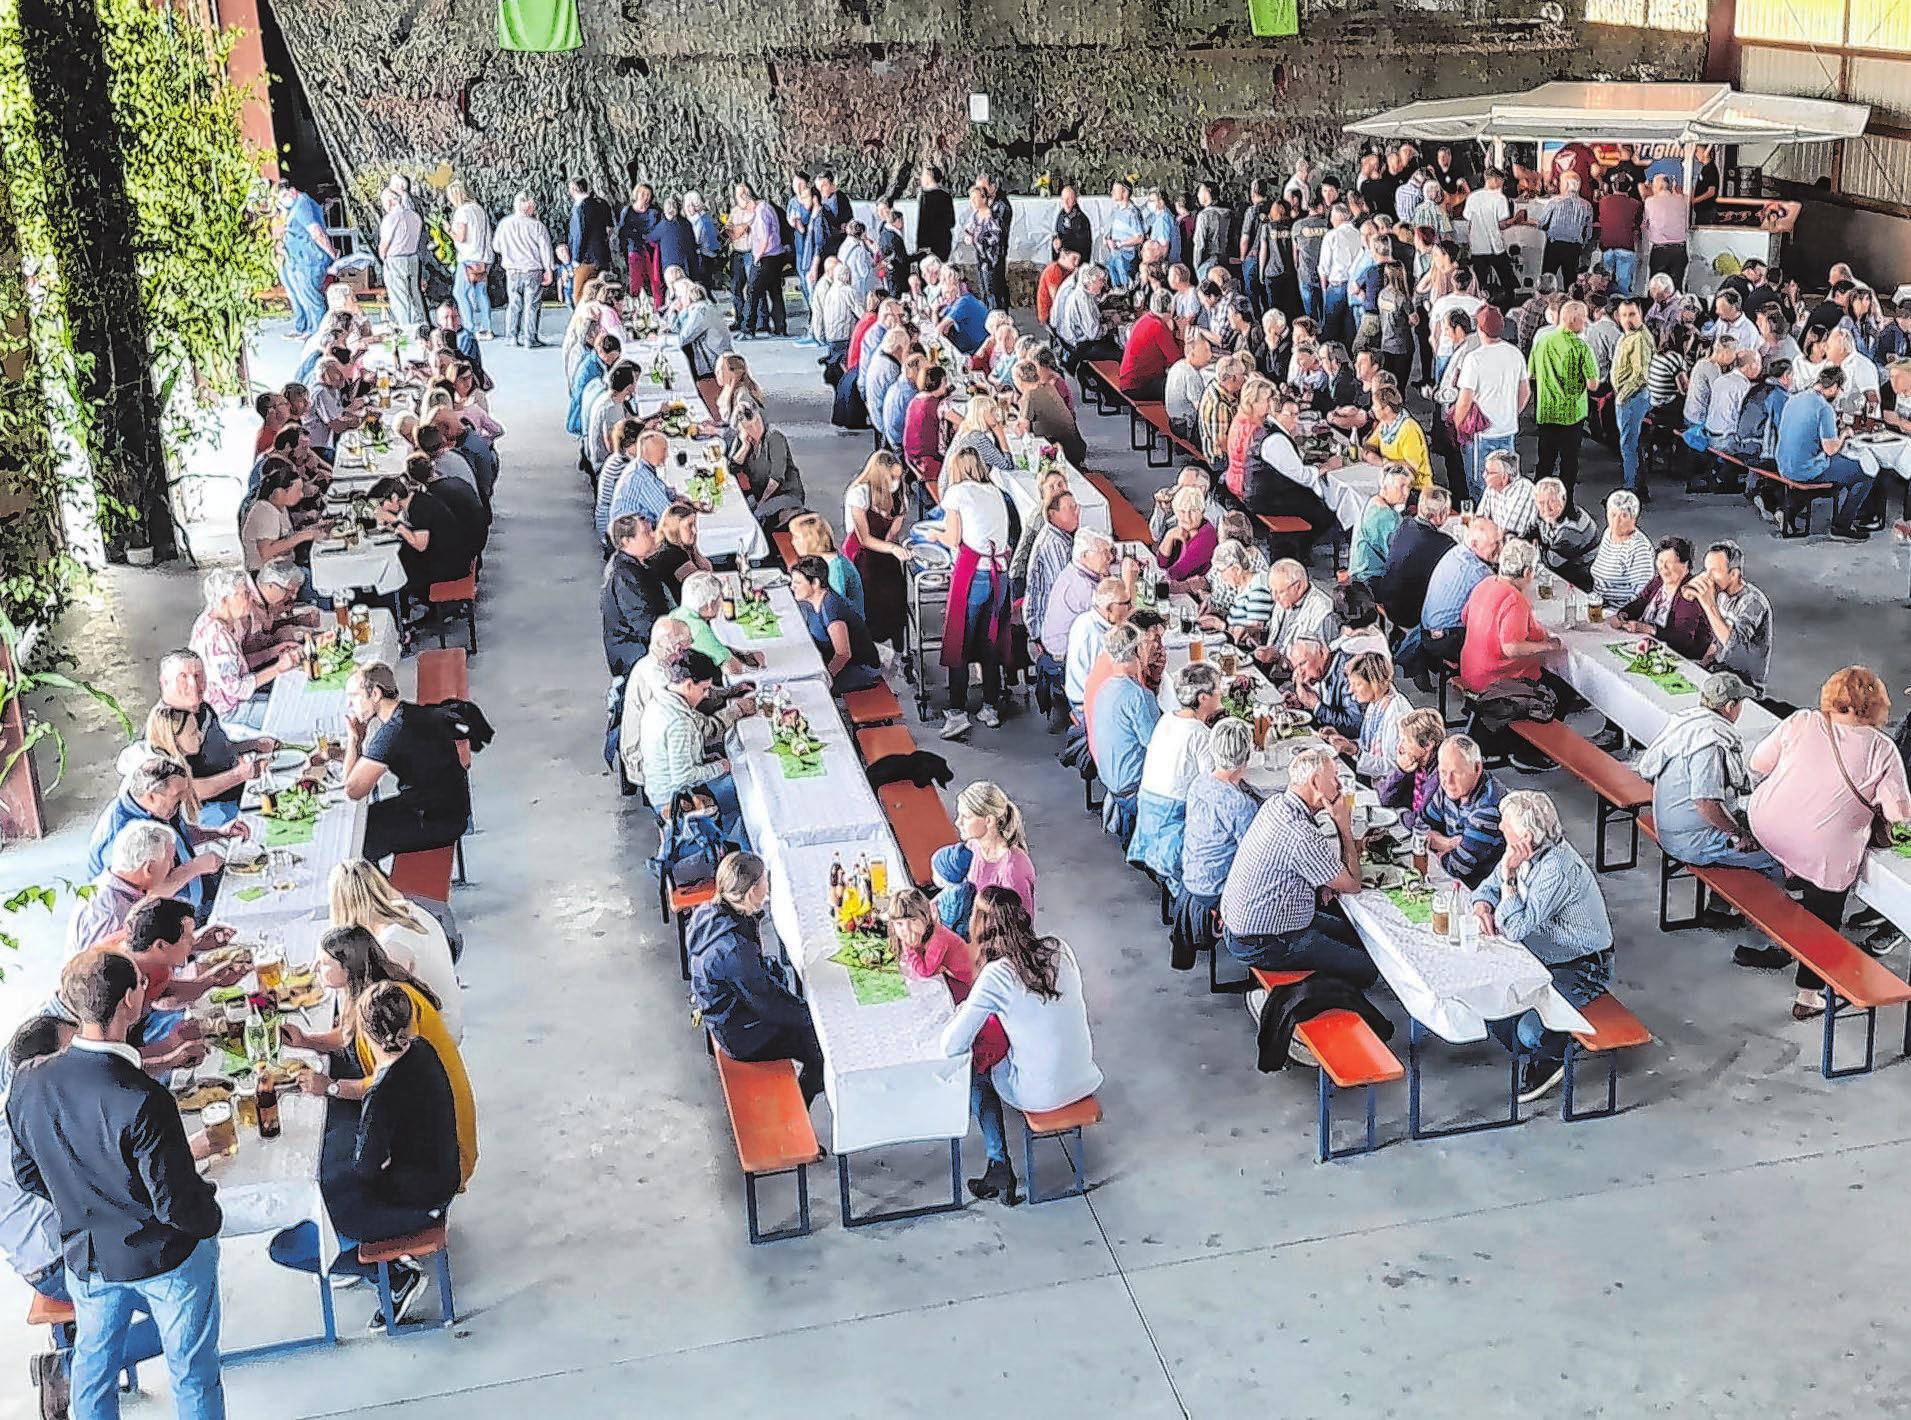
[
  {"x": 1177, "y": 648},
  {"x": 273, "y": 1183},
  {"x": 294, "y": 710},
  {"x": 728, "y": 530},
  {"x": 650, "y": 395},
  {"x": 885, "y": 1074},
  {"x": 1032, "y": 224},
  {"x": 373, "y": 564},
  {"x": 836, "y": 806},
  {"x": 1889, "y": 453},
  {"x": 1884, "y": 882},
  {"x": 1019, "y": 484},
  {"x": 1347, "y": 489},
  {"x": 790, "y": 656},
  {"x": 338, "y": 834}
]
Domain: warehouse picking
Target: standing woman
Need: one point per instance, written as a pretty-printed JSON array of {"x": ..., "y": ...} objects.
[
  {"x": 977, "y": 627},
  {"x": 873, "y": 520},
  {"x": 471, "y": 276},
  {"x": 1033, "y": 986},
  {"x": 634, "y": 227},
  {"x": 1827, "y": 776},
  {"x": 1396, "y": 324},
  {"x": 993, "y": 853},
  {"x": 922, "y": 427},
  {"x": 362, "y": 896}
]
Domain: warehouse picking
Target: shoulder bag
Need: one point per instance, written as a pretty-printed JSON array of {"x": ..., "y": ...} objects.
[{"x": 1879, "y": 835}]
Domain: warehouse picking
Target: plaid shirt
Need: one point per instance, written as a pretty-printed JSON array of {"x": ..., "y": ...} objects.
[
  {"x": 1216, "y": 417},
  {"x": 1512, "y": 507},
  {"x": 1278, "y": 871},
  {"x": 1047, "y": 561}
]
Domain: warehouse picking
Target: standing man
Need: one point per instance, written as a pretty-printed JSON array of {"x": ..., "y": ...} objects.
[
  {"x": 398, "y": 236},
  {"x": 1667, "y": 222},
  {"x": 1488, "y": 214},
  {"x": 935, "y": 215},
  {"x": 523, "y": 246},
  {"x": 1567, "y": 223},
  {"x": 1631, "y": 362},
  {"x": 1338, "y": 254},
  {"x": 1125, "y": 234},
  {"x": 1620, "y": 215},
  {"x": 1563, "y": 373},
  {"x": 1072, "y": 229},
  {"x": 765, "y": 314},
  {"x": 591, "y": 223},
  {"x": 1309, "y": 233},
  {"x": 1004, "y": 216},
  {"x": 102, "y": 1141},
  {"x": 305, "y": 254}
]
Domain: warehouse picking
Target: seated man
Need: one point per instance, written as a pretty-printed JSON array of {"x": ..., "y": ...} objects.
[
  {"x": 1079, "y": 322},
  {"x": 414, "y": 743},
  {"x": 1322, "y": 687},
  {"x": 1443, "y": 612},
  {"x": 1567, "y": 536},
  {"x": 1462, "y": 815},
  {"x": 1187, "y": 382},
  {"x": 1151, "y": 351},
  {"x": 676, "y": 744},
  {"x": 668, "y": 641},
  {"x": 1379, "y": 521},
  {"x": 1276, "y": 480},
  {"x": 840, "y": 636},
  {"x": 1300, "y": 609},
  {"x": 1271, "y": 908},
  {"x": 434, "y": 545},
  {"x": 1114, "y": 603},
  {"x": 1544, "y": 896},
  {"x": 144, "y": 863},
  {"x": 156, "y": 791},
  {"x": 1504, "y": 640},
  {"x": 1413, "y": 552},
  {"x": 1508, "y": 499},
  {"x": 1121, "y": 715}
]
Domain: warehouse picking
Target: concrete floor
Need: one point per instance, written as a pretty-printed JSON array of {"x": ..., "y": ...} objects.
[{"x": 1720, "y": 1248}]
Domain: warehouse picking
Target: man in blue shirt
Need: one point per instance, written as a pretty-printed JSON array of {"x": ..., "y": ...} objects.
[
  {"x": 155, "y": 791},
  {"x": 1462, "y": 816},
  {"x": 306, "y": 254},
  {"x": 1124, "y": 237},
  {"x": 1809, "y": 449},
  {"x": 1452, "y": 582},
  {"x": 965, "y": 320},
  {"x": 1121, "y": 718},
  {"x": 641, "y": 488}
]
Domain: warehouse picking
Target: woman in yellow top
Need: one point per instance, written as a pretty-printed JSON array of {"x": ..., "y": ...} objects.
[
  {"x": 349, "y": 960},
  {"x": 1398, "y": 438}
]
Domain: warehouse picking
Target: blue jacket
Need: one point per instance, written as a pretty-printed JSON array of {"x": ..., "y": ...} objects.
[
  {"x": 124, "y": 810},
  {"x": 676, "y": 243},
  {"x": 743, "y": 1004}
]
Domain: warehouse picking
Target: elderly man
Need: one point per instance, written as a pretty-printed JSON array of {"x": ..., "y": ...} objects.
[
  {"x": 1125, "y": 229},
  {"x": 1443, "y": 611},
  {"x": 1277, "y": 481},
  {"x": 1567, "y": 536},
  {"x": 1739, "y": 613},
  {"x": 1462, "y": 813},
  {"x": 523, "y": 246},
  {"x": 1724, "y": 407},
  {"x": 1504, "y": 640},
  {"x": 670, "y": 639},
  {"x": 1091, "y": 558},
  {"x": 1567, "y": 223},
  {"x": 1415, "y": 549},
  {"x": 1898, "y": 417},
  {"x": 1861, "y": 393},
  {"x": 1322, "y": 687},
  {"x": 676, "y": 737},
  {"x": 1121, "y": 716},
  {"x": 1667, "y": 222},
  {"x": 1114, "y": 603},
  {"x": 222, "y": 766},
  {"x": 1508, "y": 498},
  {"x": 155, "y": 792},
  {"x": 1632, "y": 399},
  {"x": 1544, "y": 896},
  {"x": 398, "y": 236},
  {"x": 1300, "y": 609},
  {"x": 144, "y": 863},
  {"x": 1271, "y": 908},
  {"x": 1045, "y": 414},
  {"x": 1219, "y": 404},
  {"x": 1563, "y": 374},
  {"x": 1079, "y": 322},
  {"x": 330, "y": 413},
  {"x": 1188, "y": 380},
  {"x": 1051, "y": 558}
]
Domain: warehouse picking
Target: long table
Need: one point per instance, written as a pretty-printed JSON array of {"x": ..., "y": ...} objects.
[
  {"x": 789, "y": 655},
  {"x": 1020, "y": 484}
]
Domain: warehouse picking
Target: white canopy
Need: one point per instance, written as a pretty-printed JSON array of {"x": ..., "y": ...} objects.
[{"x": 1623, "y": 113}]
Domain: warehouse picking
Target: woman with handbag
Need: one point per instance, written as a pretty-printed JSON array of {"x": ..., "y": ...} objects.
[
  {"x": 1831, "y": 787},
  {"x": 470, "y": 231}
]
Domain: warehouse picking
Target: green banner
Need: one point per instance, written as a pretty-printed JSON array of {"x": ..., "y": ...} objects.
[
  {"x": 538, "y": 26},
  {"x": 1275, "y": 18}
]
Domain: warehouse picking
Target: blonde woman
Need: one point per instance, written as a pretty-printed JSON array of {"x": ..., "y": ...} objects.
[
  {"x": 1248, "y": 429},
  {"x": 362, "y": 896},
  {"x": 984, "y": 430},
  {"x": 175, "y": 735},
  {"x": 976, "y": 625},
  {"x": 811, "y": 536},
  {"x": 873, "y": 525},
  {"x": 580, "y": 337},
  {"x": 735, "y": 385},
  {"x": 993, "y": 853}
]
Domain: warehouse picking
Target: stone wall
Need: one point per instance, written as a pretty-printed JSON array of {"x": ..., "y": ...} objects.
[{"x": 691, "y": 93}]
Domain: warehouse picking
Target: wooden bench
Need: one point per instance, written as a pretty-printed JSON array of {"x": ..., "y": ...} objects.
[
  {"x": 1351, "y": 1057},
  {"x": 424, "y": 873},
  {"x": 1798, "y": 496},
  {"x": 457, "y": 598},
  {"x": 1850, "y": 976},
  {"x": 432, "y": 1243},
  {"x": 443, "y": 675},
  {"x": 1060, "y": 1124},
  {"x": 881, "y": 741},
  {"x": 1124, "y": 523},
  {"x": 771, "y": 1126},
  {"x": 921, "y": 823},
  {"x": 875, "y": 706},
  {"x": 1107, "y": 388},
  {"x": 1614, "y": 1028},
  {"x": 1154, "y": 417},
  {"x": 1620, "y": 790},
  {"x": 785, "y": 547}
]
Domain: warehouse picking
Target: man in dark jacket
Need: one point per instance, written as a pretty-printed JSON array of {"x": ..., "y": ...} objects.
[
  {"x": 1416, "y": 549},
  {"x": 935, "y": 216},
  {"x": 633, "y": 596},
  {"x": 591, "y": 221},
  {"x": 102, "y": 1141}
]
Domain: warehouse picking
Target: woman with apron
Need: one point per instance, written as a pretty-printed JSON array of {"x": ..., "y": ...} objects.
[
  {"x": 872, "y": 521},
  {"x": 975, "y": 527}
]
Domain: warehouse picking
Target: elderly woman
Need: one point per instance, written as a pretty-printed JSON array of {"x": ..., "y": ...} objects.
[
  {"x": 811, "y": 536},
  {"x": 1370, "y": 678},
  {"x": 1504, "y": 640},
  {"x": 1239, "y": 597},
  {"x": 1567, "y": 535},
  {"x": 1544, "y": 896},
  {"x": 702, "y": 604},
  {"x": 1624, "y": 562},
  {"x": 1177, "y": 755},
  {"x": 749, "y": 1011},
  {"x": 1219, "y": 807},
  {"x": 1413, "y": 775},
  {"x": 837, "y": 631},
  {"x": 277, "y": 613},
  {"x": 235, "y": 682},
  {"x": 1826, "y": 776},
  {"x": 1659, "y": 611},
  {"x": 762, "y": 456},
  {"x": 1187, "y": 547},
  {"x": 977, "y": 628},
  {"x": 992, "y": 852}
]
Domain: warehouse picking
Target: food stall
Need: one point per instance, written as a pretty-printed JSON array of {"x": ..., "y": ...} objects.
[{"x": 1660, "y": 119}]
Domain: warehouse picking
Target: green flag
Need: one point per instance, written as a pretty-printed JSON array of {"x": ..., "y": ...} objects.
[
  {"x": 1274, "y": 18},
  {"x": 538, "y": 26}
]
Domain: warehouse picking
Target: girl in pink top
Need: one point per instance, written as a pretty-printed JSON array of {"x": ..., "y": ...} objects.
[
  {"x": 1823, "y": 772},
  {"x": 926, "y": 948}
]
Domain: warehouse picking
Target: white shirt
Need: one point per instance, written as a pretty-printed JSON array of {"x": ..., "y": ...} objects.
[
  {"x": 1185, "y": 387},
  {"x": 523, "y": 244},
  {"x": 1861, "y": 378},
  {"x": 1051, "y": 1060},
  {"x": 984, "y": 513},
  {"x": 1084, "y": 644},
  {"x": 1437, "y": 313},
  {"x": 1338, "y": 254},
  {"x": 1485, "y": 209},
  {"x": 398, "y": 234},
  {"x": 426, "y": 954},
  {"x": 1279, "y": 451},
  {"x": 1494, "y": 373},
  {"x": 117, "y": 1047},
  {"x": 1177, "y": 752},
  {"x": 476, "y": 245}
]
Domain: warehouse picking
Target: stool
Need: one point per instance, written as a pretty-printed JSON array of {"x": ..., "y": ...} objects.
[
  {"x": 1058, "y": 1124},
  {"x": 429, "y": 1243},
  {"x": 458, "y": 598}
]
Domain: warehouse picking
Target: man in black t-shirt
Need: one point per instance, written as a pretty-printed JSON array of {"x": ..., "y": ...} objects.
[
  {"x": 433, "y": 545},
  {"x": 415, "y": 743}
]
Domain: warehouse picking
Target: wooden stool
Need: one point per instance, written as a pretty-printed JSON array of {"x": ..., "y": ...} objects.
[
  {"x": 457, "y": 598},
  {"x": 876, "y": 706},
  {"x": 1070, "y": 1119},
  {"x": 429, "y": 1243}
]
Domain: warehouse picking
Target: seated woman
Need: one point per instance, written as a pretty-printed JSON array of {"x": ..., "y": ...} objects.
[
  {"x": 926, "y": 948},
  {"x": 350, "y": 962},
  {"x": 1187, "y": 547},
  {"x": 749, "y": 1012},
  {"x": 761, "y": 457},
  {"x": 414, "y": 743},
  {"x": 840, "y": 637},
  {"x": 1660, "y": 611},
  {"x": 235, "y": 681},
  {"x": 1384, "y": 708},
  {"x": 1033, "y": 986},
  {"x": 702, "y": 603},
  {"x": 1177, "y": 755},
  {"x": 811, "y": 536},
  {"x": 390, "y": 1166},
  {"x": 677, "y": 559},
  {"x": 1240, "y": 601},
  {"x": 923, "y": 428},
  {"x": 1545, "y": 896},
  {"x": 362, "y": 896},
  {"x": 1220, "y": 807},
  {"x": 1623, "y": 563},
  {"x": 1414, "y": 774},
  {"x": 1361, "y": 628},
  {"x": 993, "y": 853},
  {"x": 268, "y": 531}
]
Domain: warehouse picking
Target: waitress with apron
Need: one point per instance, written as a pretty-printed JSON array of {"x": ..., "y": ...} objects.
[
  {"x": 975, "y": 527},
  {"x": 872, "y": 518}
]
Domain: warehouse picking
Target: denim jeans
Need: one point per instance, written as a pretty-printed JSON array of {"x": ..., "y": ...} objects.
[
  {"x": 1121, "y": 267},
  {"x": 1580, "y": 982},
  {"x": 1622, "y": 265},
  {"x": 1632, "y": 416},
  {"x": 1475, "y": 456},
  {"x": 526, "y": 303},
  {"x": 140, "y": 1343},
  {"x": 473, "y": 299},
  {"x": 1326, "y": 944},
  {"x": 303, "y": 288},
  {"x": 184, "y": 1305},
  {"x": 1310, "y": 295},
  {"x": 1854, "y": 488},
  {"x": 986, "y": 1105},
  {"x": 1335, "y": 322}
]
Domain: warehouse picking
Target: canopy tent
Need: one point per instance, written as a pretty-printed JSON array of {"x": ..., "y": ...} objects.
[{"x": 1622, "y": 113}]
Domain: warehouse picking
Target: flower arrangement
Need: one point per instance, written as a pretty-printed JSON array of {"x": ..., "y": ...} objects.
[
  {"x": 1044, "y": 184},
  {"x": 1238, "y": 697}
]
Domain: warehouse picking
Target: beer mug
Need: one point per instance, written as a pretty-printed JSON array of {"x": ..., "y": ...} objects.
[
  {"x": 222, "y": 1131},
  {"x": 270, "y": 965},
  {"x": 1229, "y": 660},
  {"x": 1595, "y": 609},
  {"x": 1420, "y": 851},
  {"x": 245, "y": 1101},
  {"x": 1442, "y": 911},
  {"x": 1197, "y": 650}
]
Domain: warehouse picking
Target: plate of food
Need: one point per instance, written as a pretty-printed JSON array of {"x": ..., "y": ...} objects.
[
  {"x": 1373, "y": 819},
  {"x": 298, "y": 992},
  {"x": 285, "y": 1074},
  {"x": 287, "y": 760},
  {"x": 244, "y": 858},
  {"x": 220, "y": 958},
  {"x": 200, "y": 1093},
  {"x": 1382, "y": 876}
]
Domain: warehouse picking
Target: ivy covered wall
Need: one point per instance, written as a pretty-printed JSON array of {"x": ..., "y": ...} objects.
[{"x": 695, "y": 93}]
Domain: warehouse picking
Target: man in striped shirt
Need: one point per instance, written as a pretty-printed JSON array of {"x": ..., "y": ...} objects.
[{"x": 1462, "y": 815}]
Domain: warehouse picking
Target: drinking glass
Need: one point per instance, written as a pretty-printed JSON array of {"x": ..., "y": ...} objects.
[{"x": 222, "y": 1131}]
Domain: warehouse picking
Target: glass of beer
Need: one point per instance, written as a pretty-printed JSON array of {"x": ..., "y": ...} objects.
[
  {"x": 222, "y": 1132},
  {"x": 879, "y": 877},
  {"x": 1228, "y": 660},
  {"x": 1442, "y": 912},
  {"x": 1595, "y": 609},
  {"x": 270, "y": 964},
  {"x": 245, "y": 1101},
  {"x": 1545, "y": 586},
  {"x": 1420, "y": 851},
  {"x": 1197, "y": 650},
  {"x": 1262, "y": 724},
  {"x": 234, "y": 1023},
  {"x": 341, "y": 612}
]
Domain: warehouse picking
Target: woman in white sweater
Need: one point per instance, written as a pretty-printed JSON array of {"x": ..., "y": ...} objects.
[
  {"x": 362, "y": 896},
  {"x": 1033, "y": 987}
]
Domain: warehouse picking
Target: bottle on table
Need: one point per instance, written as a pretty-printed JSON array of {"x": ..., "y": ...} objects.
[{"x": 268, "y": 1106}]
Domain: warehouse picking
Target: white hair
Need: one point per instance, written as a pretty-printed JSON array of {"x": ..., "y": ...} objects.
[
  {"x": 140, "y": 843},
  {"x": 222, "y": 584},
  {"x": 1286, "y": 572},
  {"x": 1194, "y": 680},
  {"x": 281, "y": 572},
  {"x": 1088, "y": 541},
  {"x": 1622, "y": 500},
  {"x": 1532, "y": 815},
  {"x": 1309, "y": 763},
  {"x": 1467, "y": 748},
  {"x": 1230, "y": 742},
  {"x": 702, "y": 588},
  {"x": 1518, "y": 558}
]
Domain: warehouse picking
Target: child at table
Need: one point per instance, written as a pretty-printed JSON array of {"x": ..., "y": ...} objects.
[{"x": 926, "y": 948}]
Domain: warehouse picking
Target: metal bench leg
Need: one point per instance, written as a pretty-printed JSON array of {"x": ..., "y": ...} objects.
[
  {"x": 1567, "y": 1112},
  {"x": 800, "y": 1228},
  {"x": 1324, "y": 1149},
  {"x": 1417, "y": 1130},
  {"x": 1831, "y": 1034},
  {"x": 1601, "y": 859},
  {"x": 1670, "y": 869},
  {"x": 1218, "y": 987}
]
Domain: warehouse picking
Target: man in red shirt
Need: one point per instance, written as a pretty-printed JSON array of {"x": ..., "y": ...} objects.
[
  {"x": 1151, "y": 351},
  {"x": 1617, "y": 221},
  {"x": 1504, "y": 640},
  {"x": 1067, "y": 262}
]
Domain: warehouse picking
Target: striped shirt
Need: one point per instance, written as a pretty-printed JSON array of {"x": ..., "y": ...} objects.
[
  {"x": 1278, "y": 871},
  {"x": 1475, "y": 821},
  {"x": 1512, "y": 507},
  {"x": 1620, "y": 570},
  {"x": 1048, "y": 559},
  {"x": 1662, "y": 377},
  {"x": 1214, "y": 419}
]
